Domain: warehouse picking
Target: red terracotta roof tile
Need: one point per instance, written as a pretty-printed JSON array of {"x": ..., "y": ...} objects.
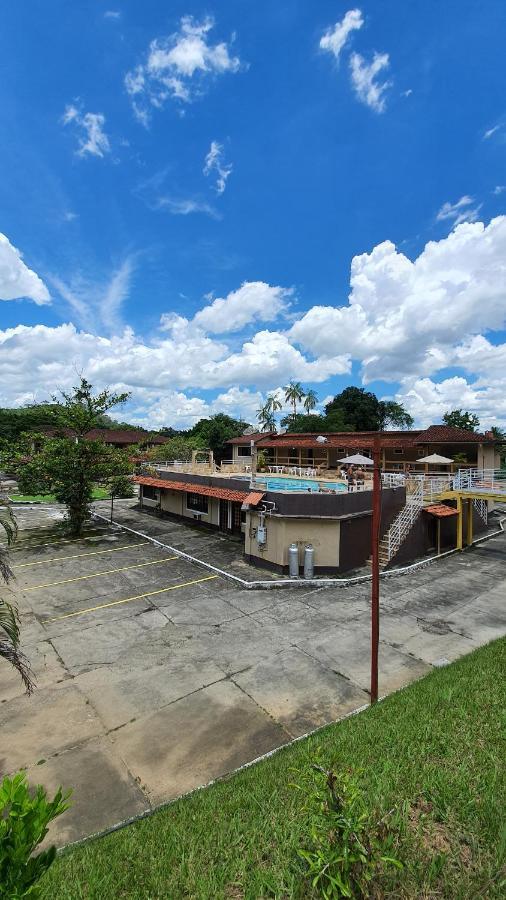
[
  {"x": 220, "y": 493},
  {"x": 247, "y": 438},
  {"x": 447, "y": 434},
  {"x": 440, "y": 510},
  {"x": 254, "y": 498}
]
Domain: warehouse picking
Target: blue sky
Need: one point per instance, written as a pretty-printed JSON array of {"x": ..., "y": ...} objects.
[{"x": 201, "y": 202}]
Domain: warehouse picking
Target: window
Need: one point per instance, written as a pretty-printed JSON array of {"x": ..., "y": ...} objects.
[
  {"x": 398, "y": 451},
  {"x": 197, "y": 503},
  {"x": 149, "y": 492},
  {"x": 243, "y": 451}
]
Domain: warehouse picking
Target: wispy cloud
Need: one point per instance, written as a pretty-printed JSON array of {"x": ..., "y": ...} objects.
[
  {"x": 490, "y": 131},
  {"x": 113, "y": 14},
  {"x": 97, "y": 302},
  {"x": 214, "y": 163},
  {"x": 335, "y": 39},
  {"x": 178, "y": 67},
  {"x": 499, "y": 189},
  {"x": 94, "y": 141},
  {"x": 364, "y": 80},
  {"x": 464, "y": 210},
  {"x": 185, "y": 206}
]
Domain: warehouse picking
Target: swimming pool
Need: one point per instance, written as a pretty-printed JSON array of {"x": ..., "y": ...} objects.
[{"x": 298, "y": 484}]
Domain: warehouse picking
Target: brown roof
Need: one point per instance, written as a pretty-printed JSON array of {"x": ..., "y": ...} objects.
[
  {"x": 254, "y": 498},
  {"x": 188, "y": 486},
  {"x": 247, "y": 438},
  {"x": 447, "y": 434},
  {"x": 441, "y": 511},
  {"x": 356, "y": 440}
]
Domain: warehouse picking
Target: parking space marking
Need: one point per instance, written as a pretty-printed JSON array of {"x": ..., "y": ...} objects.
[
  {"x": 91, "y": 537},
  {"x": 153, "y": 562},
  {"x": 173, "y": 587},
  {"x": 43, "y": 562}
]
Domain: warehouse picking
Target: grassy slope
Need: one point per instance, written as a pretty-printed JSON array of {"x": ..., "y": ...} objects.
[{"x": 433, "y": 750}]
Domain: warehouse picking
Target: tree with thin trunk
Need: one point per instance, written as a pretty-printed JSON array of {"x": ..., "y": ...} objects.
[
  {"x": 69, "y": 465},
  {"x": 9, "y": 619},
  {"x": 310, "y": 401},
  {"x": 266, "y": 418},
  {"x": 294, "y": 393},
  {"x": 273, "y": 403}
]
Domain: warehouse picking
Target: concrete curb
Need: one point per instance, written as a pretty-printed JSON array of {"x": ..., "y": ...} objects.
[{"x": 296, "y": 582}]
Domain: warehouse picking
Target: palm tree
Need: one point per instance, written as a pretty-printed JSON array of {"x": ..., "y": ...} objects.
[
  {"x": 273, "y": 403},
  {"x": 266, "y": 418},
  {"x": 9, "y": 619},
  {"x": 294, "y": 393},
  {"x": 310, "y": 401}
]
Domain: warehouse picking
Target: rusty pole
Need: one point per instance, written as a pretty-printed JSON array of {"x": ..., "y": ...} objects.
[{"x": 375, "y": 536}]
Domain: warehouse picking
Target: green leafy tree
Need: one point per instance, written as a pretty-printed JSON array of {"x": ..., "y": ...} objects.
[
  {"x": 460, "y": 418},
  {"x": 24, "y": 817},
  {"x": 360, "y": 408},
  {"x": 363, "y": 411},
  {"x": 273, "y": 403},
  {"x": 213, "y": 433},
  {"x": 9, "y": 619},
  {"x": 294, "y": 393},
  {"x": 68, "y": 465},
  {"x": 178, "y": 447},
  {"x": 392, "y": 413}
]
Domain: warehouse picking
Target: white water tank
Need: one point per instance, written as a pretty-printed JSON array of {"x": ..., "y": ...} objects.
[
  {"x": 309, "y": 561},
  {"x": 293, "y": 560}
]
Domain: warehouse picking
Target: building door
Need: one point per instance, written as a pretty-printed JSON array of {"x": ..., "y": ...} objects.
[{"x": 224, "y": 515}]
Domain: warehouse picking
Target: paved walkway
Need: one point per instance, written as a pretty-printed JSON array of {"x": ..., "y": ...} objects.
[{"x": 155, "y": 677}]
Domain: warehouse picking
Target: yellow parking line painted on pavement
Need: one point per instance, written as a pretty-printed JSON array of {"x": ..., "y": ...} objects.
[
  {"x": 153, "y": 562},
  {"x": 43, "y": 562},
  {"x": 173, "y": 587},
  {"x": 26, "y": 546}
]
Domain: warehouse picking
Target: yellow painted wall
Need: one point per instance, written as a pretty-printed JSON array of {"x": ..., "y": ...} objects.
[{"x": 323, "y": 534}]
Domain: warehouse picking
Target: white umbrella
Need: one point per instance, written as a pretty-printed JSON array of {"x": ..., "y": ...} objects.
[
  {"x": 356, "y": 460},
  {"x": 435, "y": 458}
]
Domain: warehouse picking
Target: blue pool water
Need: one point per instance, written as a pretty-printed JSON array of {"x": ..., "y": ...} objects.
[{"x": 298, "y": 484}]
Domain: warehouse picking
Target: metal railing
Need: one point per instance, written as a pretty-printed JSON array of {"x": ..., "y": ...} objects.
[
  {"x": 402, "y": 524},
  {"x": 481, "y": 481},
  {"x": 481, "y": 507}
]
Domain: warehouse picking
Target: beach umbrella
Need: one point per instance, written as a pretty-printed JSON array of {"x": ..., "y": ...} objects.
[
  {"x": 356, "y": 460},
  {"x": 435, "y": 458}
]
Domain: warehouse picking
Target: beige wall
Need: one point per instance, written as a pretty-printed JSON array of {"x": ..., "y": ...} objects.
[
  {"x": 175, "y": 502},
  {"x": 323, "y": 534}
]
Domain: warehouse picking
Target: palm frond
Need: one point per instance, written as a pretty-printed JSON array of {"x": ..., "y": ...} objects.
[
  {"x": 18, "y": 659},
  {"x": 9, "y": 622},
  {"x": 8, "y": 522}
]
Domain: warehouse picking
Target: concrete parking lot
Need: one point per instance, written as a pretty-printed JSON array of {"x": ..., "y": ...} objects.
[{"x": 156, "y": 675}]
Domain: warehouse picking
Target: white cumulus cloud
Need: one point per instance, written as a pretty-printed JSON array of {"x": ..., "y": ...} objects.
[
  {"x": 16, "y": 279},
  {"x": 336, "y": 38},
  {"x": 253, "y": 301},
  {"x": 406, "y": 317},
  {"x": 364, "y": 80},
  {"x": 178, "y": 67}
]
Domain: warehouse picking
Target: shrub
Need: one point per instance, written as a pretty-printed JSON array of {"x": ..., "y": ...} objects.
[
  {"x": 24, "y": 817},
  {"x": 347, "y": 847}
]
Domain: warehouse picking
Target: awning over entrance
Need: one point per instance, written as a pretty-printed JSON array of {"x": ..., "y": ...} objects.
[
  {"x": 221, "y": 493},
  {"x": 441, "y": 511}
]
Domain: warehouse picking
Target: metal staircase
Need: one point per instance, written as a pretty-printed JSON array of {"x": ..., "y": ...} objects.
[{"x": 402, "y": 524}]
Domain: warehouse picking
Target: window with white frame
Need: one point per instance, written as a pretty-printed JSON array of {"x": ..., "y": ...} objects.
[
  {"x": 149, "y": 492},
  {"x": 243, "y": 451}
]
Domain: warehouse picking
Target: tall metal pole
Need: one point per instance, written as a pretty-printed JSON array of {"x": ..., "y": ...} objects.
[{"x": 375, "y": 537}]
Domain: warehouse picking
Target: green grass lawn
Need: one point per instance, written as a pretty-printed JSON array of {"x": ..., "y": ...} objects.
[
  {"x": 434, "y": 751},
  {"x": 98, "y": 494}
]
